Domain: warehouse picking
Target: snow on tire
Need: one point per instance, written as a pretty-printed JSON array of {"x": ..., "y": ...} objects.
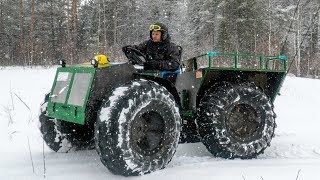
[
  {"x": 62, "y": 136},
  {"x": 81, "y": 137},
  {"x": 236, "y": 121},
  {"x": 50, "y": 130},
  {"x": 138, "y": 129}
]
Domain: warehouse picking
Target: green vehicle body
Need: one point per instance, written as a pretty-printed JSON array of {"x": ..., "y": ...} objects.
[
  {"x": 83, "y": 89},
  {"x": 268, "y": 79},
  {"x": 63, "y": 106},
  {"x": 78, "y": 91}
]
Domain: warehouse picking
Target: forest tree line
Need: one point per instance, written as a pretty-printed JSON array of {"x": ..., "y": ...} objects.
[{"x": 40, "y": 32}]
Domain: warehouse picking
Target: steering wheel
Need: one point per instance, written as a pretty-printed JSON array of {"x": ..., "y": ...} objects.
[{"x": 134, "y": 55}]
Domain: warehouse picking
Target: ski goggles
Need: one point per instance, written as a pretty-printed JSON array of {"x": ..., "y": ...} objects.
[{"x": 155, "y": 27}]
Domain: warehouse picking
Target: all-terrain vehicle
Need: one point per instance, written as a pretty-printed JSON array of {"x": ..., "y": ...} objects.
[{"x": 135, "y": 119}]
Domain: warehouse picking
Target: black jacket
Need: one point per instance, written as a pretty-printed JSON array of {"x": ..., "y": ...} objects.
[{"x": 165, "y": 52}]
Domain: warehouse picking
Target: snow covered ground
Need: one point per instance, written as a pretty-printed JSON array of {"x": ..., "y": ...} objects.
[{"x": 295, "y": 150}]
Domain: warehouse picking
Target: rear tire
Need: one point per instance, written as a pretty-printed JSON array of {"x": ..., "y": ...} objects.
[
  {"x": 138, "y": 129},
  {"x": 236, "y": 121}
]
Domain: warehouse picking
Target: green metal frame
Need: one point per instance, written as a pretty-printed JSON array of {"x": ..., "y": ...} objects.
[
  {"x": 265, "y": 68},
  {"x": 64, "y": 111}
]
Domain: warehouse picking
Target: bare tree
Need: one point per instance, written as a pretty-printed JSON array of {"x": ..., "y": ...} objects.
[
  {"x": 75, "y": 15},
  {"x": 75, "y": 29},
  {"x": 1, "y": 17},
  {"x": 297, "y": 42},
  {"x": 21, "y": 37},
  {"x": 115, "y": 21},
  {"x": 32, "y": 33}
]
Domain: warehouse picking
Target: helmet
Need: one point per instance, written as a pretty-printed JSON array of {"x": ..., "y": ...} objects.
[{"x": 159, "y": 27}]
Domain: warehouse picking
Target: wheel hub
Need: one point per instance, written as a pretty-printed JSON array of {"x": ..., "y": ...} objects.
[
  {"x": 243, "y": 121},
  {"x": 147, "y": 132}
]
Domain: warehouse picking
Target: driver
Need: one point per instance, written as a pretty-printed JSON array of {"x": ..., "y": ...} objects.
[{"x": 160, "y": 53}]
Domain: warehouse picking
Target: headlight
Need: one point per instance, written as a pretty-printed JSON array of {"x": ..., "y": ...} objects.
[
  {"x": 94, "y": 63},
  {"x": 62, "y": 62}
]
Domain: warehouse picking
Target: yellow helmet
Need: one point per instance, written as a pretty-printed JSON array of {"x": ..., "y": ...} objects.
[{"x": 102, "y": 59}]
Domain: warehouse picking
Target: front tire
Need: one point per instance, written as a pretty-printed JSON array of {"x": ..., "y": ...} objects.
[
  {"x": 138, "y": 129},
  {"x": 62, "y": 136},
  {"x": 51, "y": 131},
  {"x": 236, "y": 121}
]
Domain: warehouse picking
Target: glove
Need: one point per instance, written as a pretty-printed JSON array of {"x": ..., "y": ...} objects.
[
  {"x": 149, "y": 58},
  {"x": 152, "y": 65},
  {"x": 124, "y": 48}
]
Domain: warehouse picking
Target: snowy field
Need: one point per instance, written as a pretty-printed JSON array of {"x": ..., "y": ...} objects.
[{"x": 294, "y": 152}]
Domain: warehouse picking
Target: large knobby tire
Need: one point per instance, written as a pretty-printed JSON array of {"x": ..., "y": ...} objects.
[
  {"x": 62, "y": 136},
  {"x": 80, "y": 136},
  {"x": 51, "y": 133},
  {"x": 138, "y": 129},
  {"x": 236, "y": 121}
]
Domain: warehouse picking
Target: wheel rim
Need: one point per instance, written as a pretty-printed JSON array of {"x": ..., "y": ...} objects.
[
  {"x": 147, "y": 133},
  {"x": 243, "y": 122}
]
